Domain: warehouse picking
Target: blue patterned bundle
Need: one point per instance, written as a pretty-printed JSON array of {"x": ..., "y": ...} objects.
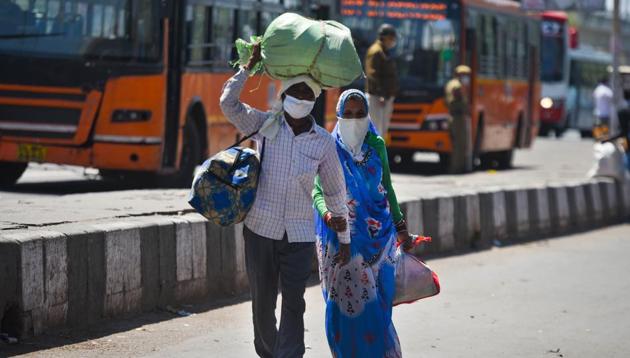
[{"x": 225, "y": 188}]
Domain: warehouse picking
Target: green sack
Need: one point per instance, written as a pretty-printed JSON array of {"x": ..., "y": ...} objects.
[{"x": 294, "y": 45}]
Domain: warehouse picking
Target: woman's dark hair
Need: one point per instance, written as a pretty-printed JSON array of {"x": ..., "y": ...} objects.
[{"x": 357, "y": 97}]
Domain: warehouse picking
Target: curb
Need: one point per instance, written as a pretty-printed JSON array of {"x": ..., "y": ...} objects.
[{"x": 75, "y": 275}]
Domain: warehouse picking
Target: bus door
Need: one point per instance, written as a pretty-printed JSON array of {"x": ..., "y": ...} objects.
[
  {"x": 471, "y": 61},
  {"x": 532, "y": 100}
]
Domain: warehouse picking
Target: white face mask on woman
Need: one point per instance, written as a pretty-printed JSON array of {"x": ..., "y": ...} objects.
[
  {"x": 297, "y": 108},
  {"x": 352, "y": 132}
]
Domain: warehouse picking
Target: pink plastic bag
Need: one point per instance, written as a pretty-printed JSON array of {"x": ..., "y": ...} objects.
[{"x": 414, "y": 279}]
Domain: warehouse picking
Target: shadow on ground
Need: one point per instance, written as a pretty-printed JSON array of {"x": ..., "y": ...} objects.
[
  {"x": 78, "y": 186},
  {"x": 68, "y": 336},
  {"x": 434, "y": 168}
]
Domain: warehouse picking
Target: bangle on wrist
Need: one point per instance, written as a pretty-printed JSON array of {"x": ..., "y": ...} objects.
[{"x": 401, "y": 225}]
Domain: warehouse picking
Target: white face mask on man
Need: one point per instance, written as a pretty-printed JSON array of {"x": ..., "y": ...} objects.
[
  {"x": 297, "y": 108},
  {"x": 352, "y": 132}
]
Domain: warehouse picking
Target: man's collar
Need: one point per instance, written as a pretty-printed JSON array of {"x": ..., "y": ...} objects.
[{"x": 312, "y": 130}]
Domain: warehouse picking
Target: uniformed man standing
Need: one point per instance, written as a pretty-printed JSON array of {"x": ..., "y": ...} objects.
[
  {"x": 456, "y": 92},
  {"x": 381, "y": 84}
]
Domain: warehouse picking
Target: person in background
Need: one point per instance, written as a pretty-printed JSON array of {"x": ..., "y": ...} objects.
[
  {"x": 624, "y": 123},
  {"x": 603, "y": 101},
  {"x": 278, "y": 232},
  {"x": 456, "y": 94},
  {"x": 358, "y": 279},
  {"x": 381, "y": 84}
]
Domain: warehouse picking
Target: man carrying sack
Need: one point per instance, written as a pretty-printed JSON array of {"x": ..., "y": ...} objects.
[{"x": 279, "y": 229}]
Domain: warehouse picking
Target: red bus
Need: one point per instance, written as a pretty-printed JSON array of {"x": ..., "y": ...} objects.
[{"x": 554, "y": 72}]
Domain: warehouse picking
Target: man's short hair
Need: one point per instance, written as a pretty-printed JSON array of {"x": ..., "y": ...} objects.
[{"x": 386, "y": 30}]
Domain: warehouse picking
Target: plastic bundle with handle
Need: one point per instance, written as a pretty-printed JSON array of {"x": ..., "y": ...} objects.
[
  {"x": 414, "y": 279},
  {"x": 294, "y": 45}
]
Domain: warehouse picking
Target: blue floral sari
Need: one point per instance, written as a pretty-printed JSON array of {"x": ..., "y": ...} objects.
[{"x": 359, "y": 295}]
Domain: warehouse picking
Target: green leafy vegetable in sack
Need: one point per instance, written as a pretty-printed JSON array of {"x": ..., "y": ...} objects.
[{"x": 294, "y": 45}]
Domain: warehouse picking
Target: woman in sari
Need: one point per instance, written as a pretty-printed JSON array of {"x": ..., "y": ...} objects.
[{"x": 358, "y": 279}]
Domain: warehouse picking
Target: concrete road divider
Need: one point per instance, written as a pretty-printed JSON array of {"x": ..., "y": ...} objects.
[
  {"x": 467, "y": 220},
  {"x": 493, "y": 217},
  {"x": 517, "y": 213},
  {"x": 594, "y": 204},
  {"x": 437, "y": 216},
  {"x": 609, "y": 200},
  {"x": 578, "y": 212},
  {"x": 78, "y": 274},
  {"x": 539, "y": 212},
  {"x": 623, "y": 193},
  {"x": 559, "y": 209},
  {"x": 413, "y": 214}
]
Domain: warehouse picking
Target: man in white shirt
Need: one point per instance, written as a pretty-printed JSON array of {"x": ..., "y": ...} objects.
[
  {"x": 279, "y": 229},
  {"x": 603, "y": 105}
]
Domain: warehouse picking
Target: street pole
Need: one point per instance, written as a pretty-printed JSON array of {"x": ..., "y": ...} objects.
[{"x": 615, "y": 80}]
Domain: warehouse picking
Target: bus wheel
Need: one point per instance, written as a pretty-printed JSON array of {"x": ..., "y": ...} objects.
[
  {"x": 585, "y": 133},
  {"x": 504, "y": 159},
  {"x": 11, "y": 172},
  {"x": 543, "y": 131},
  {"x": 498, "y": 160},
  {"x": 477, "y": 156},
  {"x": 190, "y": 158},
  {"x": 445, "y": 161},
  {"x": 400, "y": 159}
]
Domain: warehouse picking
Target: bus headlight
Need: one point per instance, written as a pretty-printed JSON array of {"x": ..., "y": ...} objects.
[{"x": 546, "y": 103}]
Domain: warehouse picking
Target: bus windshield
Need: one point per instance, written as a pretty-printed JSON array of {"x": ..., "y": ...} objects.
[
  {"x": 119, "y": 30},
  {"x": 428, "y": 36},
  {"x": 553, "y": 51}
]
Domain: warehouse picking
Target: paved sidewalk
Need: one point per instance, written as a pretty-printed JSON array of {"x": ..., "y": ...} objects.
[{"x": 49, "y": 195}]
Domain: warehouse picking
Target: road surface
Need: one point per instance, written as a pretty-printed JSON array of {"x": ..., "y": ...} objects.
[{"x": 565, "y": 297}]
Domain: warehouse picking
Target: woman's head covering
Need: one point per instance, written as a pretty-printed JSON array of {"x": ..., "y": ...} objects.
[
  {"x": 314, "y": 86},
  {"x": 345, "y": 96},
  {"x": 341, "y": 105}
]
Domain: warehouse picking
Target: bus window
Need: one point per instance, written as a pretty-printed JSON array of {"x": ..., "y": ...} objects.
[
  {"x": 552, "y": 51},
  {"x": 266, "y": 17},
  {"x": 197, "y": 18},
  {"x": 247, "y": 21},
  {"x": 121, "y": 30},
  {"x": 488, "y": 53},
  {"x": 521, "y": 48},
  {"x": 501, "y": 25},
  {"x": 221, "y": 40}
]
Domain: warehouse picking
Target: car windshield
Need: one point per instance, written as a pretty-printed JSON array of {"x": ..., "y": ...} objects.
[
  {"x": 427, "y": 41},
  {"x": 553, "y": 51},
  {"x": 96, "y": 29}
]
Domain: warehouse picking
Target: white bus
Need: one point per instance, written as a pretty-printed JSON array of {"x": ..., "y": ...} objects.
[{"x": 586, "y": 68}]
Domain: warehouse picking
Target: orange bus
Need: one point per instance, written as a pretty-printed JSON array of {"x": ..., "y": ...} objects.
[
  {"x": 123, "y": 86},
  {"x": 493, "y": 37}
]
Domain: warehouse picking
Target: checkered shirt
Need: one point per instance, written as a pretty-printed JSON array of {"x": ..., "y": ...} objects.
[{"x": 284, "y": 200}]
